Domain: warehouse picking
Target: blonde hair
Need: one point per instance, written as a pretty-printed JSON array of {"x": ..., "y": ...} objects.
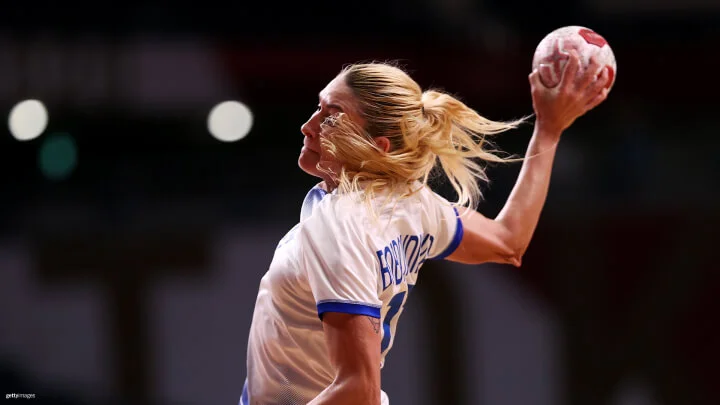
[{"x": 426, "y": 129}]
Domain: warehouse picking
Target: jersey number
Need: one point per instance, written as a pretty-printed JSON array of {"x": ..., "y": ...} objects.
[{"x": 394, "y": 305}]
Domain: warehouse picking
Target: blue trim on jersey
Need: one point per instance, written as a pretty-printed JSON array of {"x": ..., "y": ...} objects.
[
  {"x": 316, "y": 193},
  {"x": 455, "y": 242},
  {"x": 245, "y": 398},
  {"x": 348, "y": 307},
  {"x": 313, "y": 197}
]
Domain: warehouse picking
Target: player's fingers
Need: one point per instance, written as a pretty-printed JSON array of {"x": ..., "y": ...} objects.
[
  {"x": 597, "y": 100},
  {"x": 548, "y": 76},
  {"x": 534, "y": 79},
  {"x": 571, "y": 68},
  {"x": 543, "y": 78},
  {"x": 592, "y": 72},
  {"x": 600, "y": 82}
]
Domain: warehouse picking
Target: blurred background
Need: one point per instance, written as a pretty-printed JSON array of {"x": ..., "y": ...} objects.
[{"x": 134, "y": 229}]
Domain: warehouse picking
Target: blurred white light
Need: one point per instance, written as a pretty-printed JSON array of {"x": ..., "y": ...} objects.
[
  {"x": 28, "y": 119},
  {"x": 230, "y": 121}
]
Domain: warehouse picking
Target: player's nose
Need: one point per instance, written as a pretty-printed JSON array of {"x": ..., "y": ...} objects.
[{"x": 311, "y": 128}]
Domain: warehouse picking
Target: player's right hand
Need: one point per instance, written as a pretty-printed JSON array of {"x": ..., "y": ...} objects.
[{"x": 579, "y": 91}]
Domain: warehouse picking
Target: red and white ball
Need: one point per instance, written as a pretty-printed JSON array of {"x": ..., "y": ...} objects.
[{"x": 554, "y": 50}]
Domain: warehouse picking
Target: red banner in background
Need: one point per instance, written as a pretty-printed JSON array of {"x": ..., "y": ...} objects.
[
  {"x": 676, "y": 74},
  {"x": 624, "y": 7},
  {"x": 151, "y": 75}
]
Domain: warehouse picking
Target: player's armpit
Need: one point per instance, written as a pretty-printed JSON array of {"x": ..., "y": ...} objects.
[
  {"x": 353, "y": 343},
  {"x": 375, "y": 322},
  {"x": 484, "y": 241}
]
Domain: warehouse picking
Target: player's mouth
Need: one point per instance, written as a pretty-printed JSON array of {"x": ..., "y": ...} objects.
[{"x": 305, "y": 146}]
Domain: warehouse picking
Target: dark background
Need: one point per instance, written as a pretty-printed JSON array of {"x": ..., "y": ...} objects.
[{"x": 131, "y": 278}]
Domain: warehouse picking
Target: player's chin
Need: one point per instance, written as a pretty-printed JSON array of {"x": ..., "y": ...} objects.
[{"x": 308, "y": 161}]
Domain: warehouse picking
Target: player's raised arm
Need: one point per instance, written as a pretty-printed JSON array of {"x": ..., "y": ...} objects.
[
  {"x": 354, "y": 345},
  {"x": 506, "y": 238}
]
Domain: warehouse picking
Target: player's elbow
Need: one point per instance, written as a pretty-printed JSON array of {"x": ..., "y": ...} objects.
[
  {"x": 479, "y": 250},
  {"x": 512, "y": 255},
  {"x": 508, "y": 248},
  {"x": 515, "y": 260},
  {"x": 519, "y": 247},
  {"x": 513, "y": 247},
  {"x": 359, "y": 389},
  {"x": 487, "y": 240}
]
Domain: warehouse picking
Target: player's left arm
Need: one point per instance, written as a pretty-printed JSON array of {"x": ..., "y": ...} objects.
[
  {"x": 506, "y": 238},
  {"x": 353, "y": 343},
  {"x": 484, "y": 241}
]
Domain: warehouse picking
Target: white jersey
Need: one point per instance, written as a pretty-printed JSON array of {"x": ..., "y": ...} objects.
[{"x": 339, "y": 258}]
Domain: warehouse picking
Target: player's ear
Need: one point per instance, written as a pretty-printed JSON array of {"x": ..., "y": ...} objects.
[{"x": 383, "y": 143}]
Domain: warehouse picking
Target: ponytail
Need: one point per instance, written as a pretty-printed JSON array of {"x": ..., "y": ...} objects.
[
  {"x": 457, "y": 136},
  {"x": 426, "y": 130}
]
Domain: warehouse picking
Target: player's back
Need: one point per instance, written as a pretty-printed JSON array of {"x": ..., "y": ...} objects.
[{"x": 341, "y": 257}]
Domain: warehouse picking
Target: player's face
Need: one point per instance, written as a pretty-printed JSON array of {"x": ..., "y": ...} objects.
[{"x": 335, "y": 98}]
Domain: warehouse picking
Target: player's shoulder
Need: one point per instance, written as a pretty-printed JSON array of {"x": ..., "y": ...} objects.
[
  {"x": 426, "y": 202},
  {"x": 335, "y": 227},
  {"x": 336, "y": 210},
  {"x": 427, "y": 194},
  {"x": 343, "y": 213}
]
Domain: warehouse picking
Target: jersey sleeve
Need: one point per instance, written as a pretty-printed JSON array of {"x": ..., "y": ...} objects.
[
  {"x": 340, "y": 268},
  {"x": 449, "y": 230}
]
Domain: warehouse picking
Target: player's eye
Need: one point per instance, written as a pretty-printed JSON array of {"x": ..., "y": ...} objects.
[{"x": 332, "y": 120}]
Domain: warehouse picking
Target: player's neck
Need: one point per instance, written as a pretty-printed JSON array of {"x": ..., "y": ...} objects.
[{"x": 328, "y": 184}]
